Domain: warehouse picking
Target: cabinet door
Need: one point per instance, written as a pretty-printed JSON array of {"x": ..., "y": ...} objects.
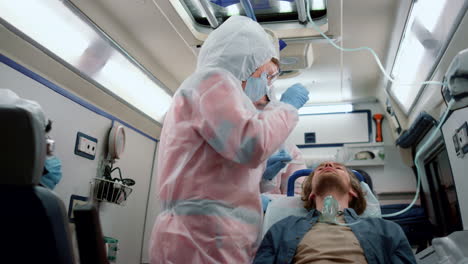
[{"x": 334, "y": 128}]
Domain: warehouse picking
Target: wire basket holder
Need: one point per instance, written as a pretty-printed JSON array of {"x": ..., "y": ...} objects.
[{"x": 110, "y": 191}]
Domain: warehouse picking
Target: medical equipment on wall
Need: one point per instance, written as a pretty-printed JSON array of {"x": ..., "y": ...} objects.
[
  {"x": 456, "y": 81},
  {"x": 106, "y": 188},
  {"x": 420, "y": 126},
  {"x": 392, "y": 116},
  {"x": 116, "y": 142},
  {"x": 456, "y": 88},
  {"x": 378, "y": 127}
]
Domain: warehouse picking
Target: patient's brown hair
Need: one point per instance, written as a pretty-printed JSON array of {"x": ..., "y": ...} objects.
[{"x": 358, "y": 204}]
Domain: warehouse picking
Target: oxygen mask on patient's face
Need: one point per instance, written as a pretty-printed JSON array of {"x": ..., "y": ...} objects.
[{"x": 330, "y": 210}]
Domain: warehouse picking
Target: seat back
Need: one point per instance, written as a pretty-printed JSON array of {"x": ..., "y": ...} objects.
[{"x": 34, "y": 224}]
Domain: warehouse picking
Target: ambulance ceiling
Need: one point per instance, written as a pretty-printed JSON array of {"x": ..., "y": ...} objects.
[{"x": 157, "y": 34}]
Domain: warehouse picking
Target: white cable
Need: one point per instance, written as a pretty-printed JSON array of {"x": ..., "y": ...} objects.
[
  {"x": 341, "y": 51},
  {"x": 376, "y": 57}
]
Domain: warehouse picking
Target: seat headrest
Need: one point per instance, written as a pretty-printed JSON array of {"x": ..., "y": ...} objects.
[
  {"x": 307, "y": 172},
  {"x": 22, "y": 144}
]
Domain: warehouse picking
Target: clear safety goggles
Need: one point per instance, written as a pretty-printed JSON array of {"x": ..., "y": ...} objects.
[
  {"x": 50, "y": 144},
  {"x": 272, "y": 77}
]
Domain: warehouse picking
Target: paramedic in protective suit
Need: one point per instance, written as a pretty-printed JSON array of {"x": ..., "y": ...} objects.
[{"x": 214, "y": 146}]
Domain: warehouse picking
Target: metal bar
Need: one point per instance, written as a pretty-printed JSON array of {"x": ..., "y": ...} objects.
[
  {"x": 248, "y": 9},
  {"x": 209, "y": 13},
  {"x": 148, "y": 197},
  {"x": 301, "y": 11}
]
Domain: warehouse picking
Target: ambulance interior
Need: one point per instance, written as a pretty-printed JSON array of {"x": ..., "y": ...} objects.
[{"x": 105, "y": 72}]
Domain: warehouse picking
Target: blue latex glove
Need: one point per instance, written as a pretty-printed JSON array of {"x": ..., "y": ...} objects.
[
  {"x": 265, "y": 201},
  {"x": 275, "y": 163},
  {"x": 296, "y": 95}
]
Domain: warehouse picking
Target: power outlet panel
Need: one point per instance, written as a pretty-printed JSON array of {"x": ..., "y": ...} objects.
[
  {"x": 75, "y": 202},
  {"x": 85, "y": 146},
  {"x": 460, "y": 140}
]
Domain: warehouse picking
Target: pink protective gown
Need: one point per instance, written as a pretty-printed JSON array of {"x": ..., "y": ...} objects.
[{"x": 212, "y": 153}]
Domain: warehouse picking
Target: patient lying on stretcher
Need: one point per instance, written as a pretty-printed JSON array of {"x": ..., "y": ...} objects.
[{"x": 332, "y": 231}]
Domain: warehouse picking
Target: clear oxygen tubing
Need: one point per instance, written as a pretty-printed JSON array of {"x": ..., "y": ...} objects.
[
  {"x": 419, "y": 162},
  {"x": 330, "y": 210},
  {"x": 376, "y": 57},
  {"x": 347, "y": 224}
]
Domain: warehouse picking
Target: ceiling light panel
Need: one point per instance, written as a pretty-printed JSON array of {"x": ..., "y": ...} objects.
[{"x": 52, "y": 25}]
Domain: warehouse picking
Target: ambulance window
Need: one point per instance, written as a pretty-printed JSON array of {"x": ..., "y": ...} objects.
[{"x": 428, "y": 31}]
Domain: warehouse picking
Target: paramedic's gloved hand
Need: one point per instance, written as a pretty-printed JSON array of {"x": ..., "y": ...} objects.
[
  {"x": 296, "y": 95},
  {"x": 275, "y": 163},
  {"x": 265, "y": 201}
]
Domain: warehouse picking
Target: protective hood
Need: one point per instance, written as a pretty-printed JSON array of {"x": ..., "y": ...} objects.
[
  {"x": 8, "y": 97},
  {"x": 240, "y": 45}
]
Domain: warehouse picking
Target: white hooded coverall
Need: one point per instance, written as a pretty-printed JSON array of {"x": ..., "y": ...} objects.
[{"x": 212, "y": 153}]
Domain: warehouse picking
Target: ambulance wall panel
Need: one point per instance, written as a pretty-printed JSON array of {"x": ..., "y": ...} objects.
[
  {"x": 125, "y": 223},
  {"x": 458, "y": 159},
  {"x": 152, "y": 213},
  {"x": 391, "y": 177}
]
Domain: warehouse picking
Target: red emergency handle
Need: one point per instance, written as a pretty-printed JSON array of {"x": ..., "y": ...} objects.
[{"x": 378, "y": 124}]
